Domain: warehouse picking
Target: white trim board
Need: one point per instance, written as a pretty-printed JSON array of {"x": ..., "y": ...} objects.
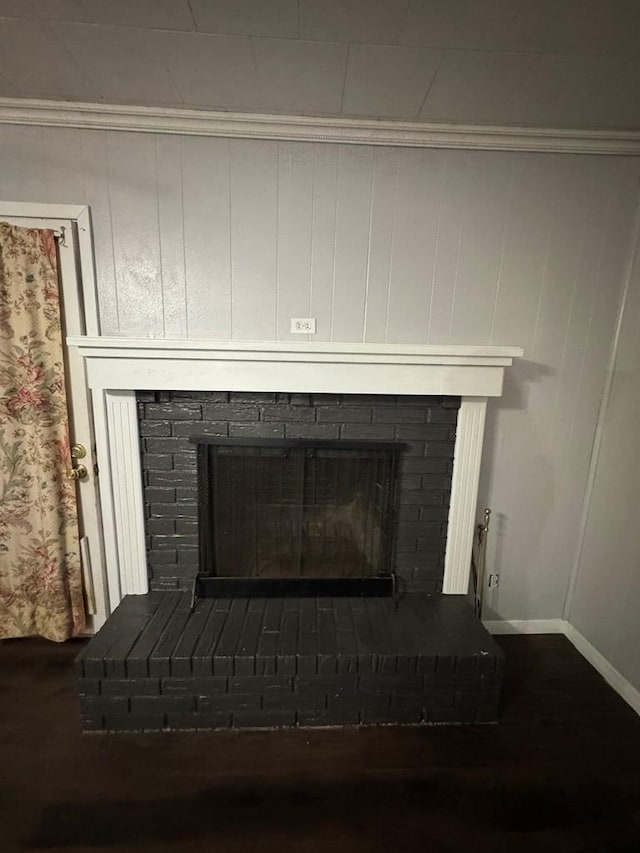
[
  {"x": 611, "y": 675},
  {"x": 347, "y": 368},
  {"x": 80, "y": 215},
  {"x": 45, "y": 113},
  {"x": 525, "y": 626}
]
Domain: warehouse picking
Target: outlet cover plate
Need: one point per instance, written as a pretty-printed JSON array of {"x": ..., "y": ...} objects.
[{"x": 303, "y": 325}]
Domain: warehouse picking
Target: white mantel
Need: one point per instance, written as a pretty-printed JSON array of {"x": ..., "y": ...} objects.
[{"x": 117, "y": 367}]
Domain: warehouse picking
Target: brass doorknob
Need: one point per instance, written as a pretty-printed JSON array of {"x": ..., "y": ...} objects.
[
  {"x": 77, "y": 473},
  {"x": 78, "y": 451}
]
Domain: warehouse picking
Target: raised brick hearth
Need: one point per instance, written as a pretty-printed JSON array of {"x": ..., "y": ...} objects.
[{"x": 255, "y": 663}]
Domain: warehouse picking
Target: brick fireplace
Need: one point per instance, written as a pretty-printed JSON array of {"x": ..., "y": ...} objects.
[
  {"x": 423, "y": 427},
  {"x": 417, "y": 657}
]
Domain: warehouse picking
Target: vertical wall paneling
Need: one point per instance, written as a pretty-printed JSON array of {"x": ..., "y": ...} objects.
[
  {"x": 533, "y": 516},
  {"x": 95, "y": 171},
  {"x": 207, "y": 263},
  {"x": 64, "y": 165},
  {"x": 383, "y": 213},
  {"x": 254, "y": 249},
  {"x": 596, "y": 602},
  {"x": 22, "y": 174},
  {"x": 417, "y": 212},
  {"x": 377, "y": 243},
  {"x": 134, "y": 212},
  {"x": 295, "y": 211},
  {"x": 171, "y": 235},
  {"x": 323, "y": 237},
  {"x": 353, "y": 223},
  {"x": 545, "y": 423},
  {"x": 578, "y": 392},
  {"x": 527, "y": 234},
  {"x": 604, "y": 602},
  {"x": 488, "y": 197},
  {"x": 526, "y": 241},
  {"x": 444, "y": 278}
]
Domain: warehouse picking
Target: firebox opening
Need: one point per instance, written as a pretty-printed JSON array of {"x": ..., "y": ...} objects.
[{"x": 304, "y": 517}]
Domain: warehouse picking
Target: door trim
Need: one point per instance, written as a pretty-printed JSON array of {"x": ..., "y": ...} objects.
[
  {"x": 82, "y": 309},
  {"x": 78, "y": 214}
]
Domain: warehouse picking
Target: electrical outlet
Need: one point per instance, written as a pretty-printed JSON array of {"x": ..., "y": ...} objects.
[
  {"x": 494, "y": 581},
  {"x": 303, "y": 325}
]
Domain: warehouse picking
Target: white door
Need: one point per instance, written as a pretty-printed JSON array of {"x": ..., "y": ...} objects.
[{"x": 74, "y": 322}]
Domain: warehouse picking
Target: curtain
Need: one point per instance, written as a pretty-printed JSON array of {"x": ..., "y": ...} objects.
[{"x": 40, "y": 571}]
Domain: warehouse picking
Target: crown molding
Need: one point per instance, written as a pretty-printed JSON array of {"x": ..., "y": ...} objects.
[{"x": 190, "y": 122}]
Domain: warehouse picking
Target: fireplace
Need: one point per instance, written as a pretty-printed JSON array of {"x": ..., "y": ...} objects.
[
  {"x": 419, "y": 656},
  {"x": 116, "y": 368},
  {"x": 338, "y": 451},
  {"x": 294, "y": 517}
]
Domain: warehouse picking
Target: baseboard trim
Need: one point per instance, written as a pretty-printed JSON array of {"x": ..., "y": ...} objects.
[
  {"x": 614, "y": 679},
  {"x": 610, "y": 674},
  {"x": 525, "y": 626}
]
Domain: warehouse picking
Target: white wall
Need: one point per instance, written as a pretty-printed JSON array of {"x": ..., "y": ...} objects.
[
  {"x": 230, "y": 238},
  {"x": 605, "y": 605}
]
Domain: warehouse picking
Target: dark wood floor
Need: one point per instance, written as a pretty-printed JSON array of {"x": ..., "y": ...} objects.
[{"x": 561, "y": 772}]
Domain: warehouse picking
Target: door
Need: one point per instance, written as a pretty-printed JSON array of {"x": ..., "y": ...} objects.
[{"x": 84, "y": 468}]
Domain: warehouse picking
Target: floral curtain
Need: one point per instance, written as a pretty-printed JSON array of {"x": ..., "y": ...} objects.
[{"x": 40, "y": 572}]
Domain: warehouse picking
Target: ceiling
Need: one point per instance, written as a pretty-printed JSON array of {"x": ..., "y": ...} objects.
[{"x": 553, "y": 63}]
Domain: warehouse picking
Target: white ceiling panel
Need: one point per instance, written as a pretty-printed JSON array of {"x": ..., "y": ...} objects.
[
  {"x": 125, "y": 64},
  {"x": 390, "y": 82},
  {"x": 625, "y": 36},
  {"x": 457, "y": 24},
  {"x": 580, "y": 27},
  {"x": 277, "y": 18},
  {"x": 217, "y": 72},
  {"x": 359, "y": 21},
  {"x": 472, "y": 86},
  {"x": 161, "y": 14},
  {"x": 571, "y": 91},
  {"x": 33, "y": 60},
  {"x": 564, "y": 63},
  {"x": 45, "y": 10},
  {"x": 300, "y": 76}
]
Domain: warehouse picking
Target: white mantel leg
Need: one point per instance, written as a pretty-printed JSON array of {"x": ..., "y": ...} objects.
[
  {"x": 122, "y": 499},
  {"x": 464, "y": 494}
]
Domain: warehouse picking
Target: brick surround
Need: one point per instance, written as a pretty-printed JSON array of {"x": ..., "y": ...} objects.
[{"x": 426, "y": 425}]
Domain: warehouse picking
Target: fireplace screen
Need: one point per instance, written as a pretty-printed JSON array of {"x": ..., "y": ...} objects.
[{"x": 277, "y": 509}]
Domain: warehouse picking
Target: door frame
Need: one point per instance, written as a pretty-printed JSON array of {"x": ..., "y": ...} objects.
[{"x": 80, "y": 310}]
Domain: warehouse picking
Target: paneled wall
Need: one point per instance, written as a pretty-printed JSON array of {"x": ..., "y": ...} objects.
[
  {"x": 605, "y": 605},
  {"x": 214, "y": 238}
]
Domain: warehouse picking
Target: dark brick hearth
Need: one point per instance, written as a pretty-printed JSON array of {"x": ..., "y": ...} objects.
[
  {"x": 248, "y": 663},
  {"x": 426, "y": 425}
]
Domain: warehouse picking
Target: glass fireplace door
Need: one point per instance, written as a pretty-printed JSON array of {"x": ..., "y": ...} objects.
[{"x": 296, "y": 509}]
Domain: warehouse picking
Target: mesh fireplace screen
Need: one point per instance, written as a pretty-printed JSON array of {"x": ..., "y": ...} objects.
[{"x": 296, "y": 509}]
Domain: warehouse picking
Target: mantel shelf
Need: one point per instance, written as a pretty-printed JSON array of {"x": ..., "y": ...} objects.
[{"x": 153, "y": 348}]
